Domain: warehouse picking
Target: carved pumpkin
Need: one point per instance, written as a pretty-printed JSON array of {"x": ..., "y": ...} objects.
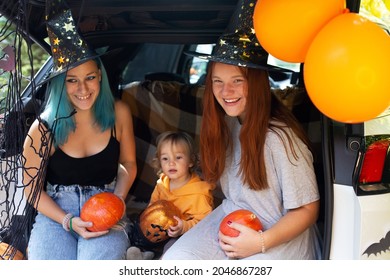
[
  {"x": 8, "y": 252},
  {"x": 241, "y": 216},
  {"x": 104, "y": 210},
  {"x": 156, "y": 219}
]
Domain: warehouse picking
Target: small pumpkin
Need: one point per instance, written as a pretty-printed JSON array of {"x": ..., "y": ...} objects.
[
  {"x": 241, "y": 216},
  {"x": 8, "y": 252},
  {"x": 156, "y": 219},
  {"x": 104, "y": 210}
]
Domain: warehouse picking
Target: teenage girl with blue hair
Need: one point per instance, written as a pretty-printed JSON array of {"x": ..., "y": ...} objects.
[{"x": 82, "y": 144}]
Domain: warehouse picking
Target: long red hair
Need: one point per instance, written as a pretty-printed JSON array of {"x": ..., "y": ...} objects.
[{"x": 261, "y": 107}]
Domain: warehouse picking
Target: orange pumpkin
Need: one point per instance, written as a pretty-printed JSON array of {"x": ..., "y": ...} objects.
[
  {"x": 156, "y": 219},
  {"x": 104, "y": 210},
  {"x": 8, "y": 252},
  {"x": 241, "y": 216}
]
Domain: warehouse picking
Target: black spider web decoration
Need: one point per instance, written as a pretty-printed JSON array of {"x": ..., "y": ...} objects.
[{"x": 16, "y": 215}]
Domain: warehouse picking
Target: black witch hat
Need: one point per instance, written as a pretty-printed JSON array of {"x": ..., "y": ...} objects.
[
  {"x": 69, "y": 49},
  {"x": 239, "y": 45}
]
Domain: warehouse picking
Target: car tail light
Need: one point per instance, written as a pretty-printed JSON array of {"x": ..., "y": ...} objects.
[{"x": 376, "y": 163}]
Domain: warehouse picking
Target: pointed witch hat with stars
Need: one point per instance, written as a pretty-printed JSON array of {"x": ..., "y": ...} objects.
[
  {"x": 238, "y": 45},
  {"x": 69, "y": 49}
]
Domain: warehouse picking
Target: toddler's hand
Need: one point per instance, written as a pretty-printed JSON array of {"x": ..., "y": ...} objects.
[{"x": 176, "y": 231}]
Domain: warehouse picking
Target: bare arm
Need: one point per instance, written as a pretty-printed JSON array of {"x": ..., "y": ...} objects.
[
  {"x": 292, "y": 224},
  {"x": 127, "y": 169},
  {"x": 34, "y": 152}
]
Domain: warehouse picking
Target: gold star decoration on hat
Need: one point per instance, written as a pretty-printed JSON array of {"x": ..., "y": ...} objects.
[{"x": 68, "y": 47}]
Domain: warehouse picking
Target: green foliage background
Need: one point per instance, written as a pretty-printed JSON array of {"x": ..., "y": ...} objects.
[{"x": 38, "y": 57}]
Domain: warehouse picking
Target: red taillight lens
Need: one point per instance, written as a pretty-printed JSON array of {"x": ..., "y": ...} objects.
[{"x": 374, "y": 161}]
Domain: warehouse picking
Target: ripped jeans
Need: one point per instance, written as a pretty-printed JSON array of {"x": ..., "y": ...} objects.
[{"x": 49, "y": 241}]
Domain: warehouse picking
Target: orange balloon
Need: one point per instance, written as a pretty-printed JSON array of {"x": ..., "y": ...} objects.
[
  {"x": 346, "y": 72},
  {"x": 286, "y": 28}
]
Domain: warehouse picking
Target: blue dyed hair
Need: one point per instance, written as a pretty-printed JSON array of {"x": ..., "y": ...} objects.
[{"x": 58, "y": 112}]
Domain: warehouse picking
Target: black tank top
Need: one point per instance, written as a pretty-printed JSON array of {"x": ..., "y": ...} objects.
[{"x": 95, "y": 170}]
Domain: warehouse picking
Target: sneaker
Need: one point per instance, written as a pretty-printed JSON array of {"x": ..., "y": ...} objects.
[
  {"x": 134, "y": 253},
  {"x": 147, "y": 255}
]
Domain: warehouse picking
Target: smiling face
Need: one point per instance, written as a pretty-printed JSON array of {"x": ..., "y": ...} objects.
[
  {"x": 175, "y": 161},
  {"x": 230, "y": 88},
  {"x": 83, "y": 85}
]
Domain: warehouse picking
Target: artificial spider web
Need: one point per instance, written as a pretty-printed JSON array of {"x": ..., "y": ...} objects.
[{"x": 16, "y": 216}]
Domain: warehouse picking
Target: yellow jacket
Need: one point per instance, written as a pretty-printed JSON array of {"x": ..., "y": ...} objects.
[{"x": 194, "y": 199}]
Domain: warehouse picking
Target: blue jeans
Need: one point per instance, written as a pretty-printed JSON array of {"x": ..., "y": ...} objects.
[{"x": 49, "y": 241}]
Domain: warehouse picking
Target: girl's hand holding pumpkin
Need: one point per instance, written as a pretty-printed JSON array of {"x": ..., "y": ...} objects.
[
  {"x": 247, "y": 243},
  {"x": 80, "y": 227},
  {"x": 176, "y": 231}
]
